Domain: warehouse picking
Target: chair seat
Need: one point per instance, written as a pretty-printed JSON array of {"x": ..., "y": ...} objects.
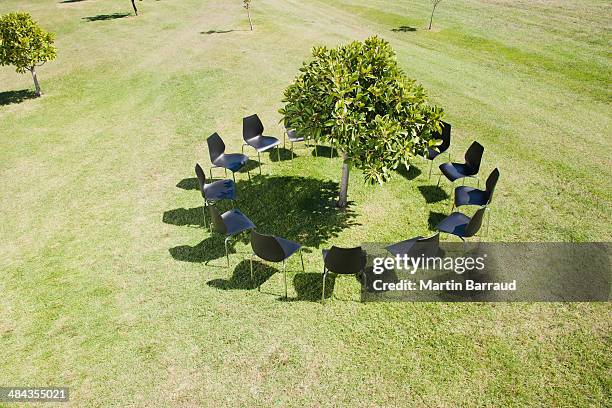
[
  {"x": 403, "y": 247},
  {"x": 236, "y": 222},
  {"x": 465, "y": 195},
  {"x": 454, "y": 171},
  {"x": 455, "y": 224},
  {"x": 263, "y": 143},
  {"x": 294, "y": 137},
  {"x": 220, "y": 190},
  {"x": 289, "y": 247},
  {"x": 231, "y": 161}
]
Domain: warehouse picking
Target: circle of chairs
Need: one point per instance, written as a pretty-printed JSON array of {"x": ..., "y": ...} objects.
[{"x": 336, "y": 260}]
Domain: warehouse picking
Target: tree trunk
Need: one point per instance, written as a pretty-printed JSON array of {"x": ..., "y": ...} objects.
[
  {"x": 135, "y": 9},
  {"x": 432, "y": 14},
  {"x": 36, "y": 84},
  {"x": 250, "y": 22},
  {"x": 343, "y": 199}
]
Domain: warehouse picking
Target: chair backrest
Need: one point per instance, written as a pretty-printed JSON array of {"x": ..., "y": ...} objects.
[
  {"x": 216, "y": 147},
  {"x": 475, "y": 223},
  {"x": 251, "y": 127},
  {"x": 216, "y": 221},
  {"x": 201, "y": 177},
  {"x": 266, "y": 247},
  {"x": 473, "y": 156},
  {"x": 491, "y": 183},
  {"x": 445, "y": 136},
  {"x": 292, "y": 133},
  {"x": 345, "y": 260}
]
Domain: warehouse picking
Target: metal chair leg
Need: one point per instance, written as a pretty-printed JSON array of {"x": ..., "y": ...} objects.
[
  {"x": 204, "y": 211},
  {"x": 292, "y": 155},
  {"x": 233, "y": 176},
  {"x": 316, "y": 149},
  {"x": 259, "y": 160},
  {"x": 323, "y": 291},
  {"x": 430, "y": 168},
  {"x": 226, "y": 252},
  {"x": 278, "y": 152},
  {"x": 285, "y": 273},
  {"x": 488, "y": 221},
  {"x": 251, "y": 263},
  {"x": 302, "y": 258},
  {"x": 438, "y": 184}
]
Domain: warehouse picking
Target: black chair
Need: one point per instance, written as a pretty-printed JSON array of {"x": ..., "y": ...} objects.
[
  {"x": 417, "y": 246},
  {"x": 229, "y": 161},
  {"x": 445, "y": 137},
  {"x": 465, "y": 195},
  {"x": 229, "y": 224},
  {"x": 215, "y": 191},
  {"x": 252, "y": 133},
  {"x": 293, "y": 137},
  {"x": 343, "y": 261},
  {"x": 274, "y": 249},
  {"x": 461, "y": 225},
  {"x": 472, "y": 196},
  {"x": 455, "y": 171}
]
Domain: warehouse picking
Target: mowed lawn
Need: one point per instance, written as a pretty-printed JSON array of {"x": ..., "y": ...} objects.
[{"x": 110, "y": 285}]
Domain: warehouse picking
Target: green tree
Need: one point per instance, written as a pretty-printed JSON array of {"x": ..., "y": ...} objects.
[
  {"x": 247, "y": 6},
  {"x": 357, "y": 99},
  {"x": 24, "y": 44}
]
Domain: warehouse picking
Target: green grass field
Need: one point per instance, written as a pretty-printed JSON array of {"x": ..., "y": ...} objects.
[{"x": 111, "y": 286}]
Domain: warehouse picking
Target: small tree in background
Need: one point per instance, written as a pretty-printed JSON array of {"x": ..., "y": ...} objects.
[
  {"x": 247, "y": 6},
  {"x": 358, "y": 99},
  {"x": 25, "y": 45},
  {"x": 435, "y": 4}
]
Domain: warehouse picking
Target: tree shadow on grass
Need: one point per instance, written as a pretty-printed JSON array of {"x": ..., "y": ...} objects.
[
  {"x": 409, "y": 173},
  {"x": 104, "y": 17},
  {"x": 404, "y": 29},
  {"x": 11, "y": 97},
  {"x": 241, "y": 278},
  {"x": 301, "y": 209},
  {"x": 434, "y": 219},
  {"x": 433, "y": 194}
]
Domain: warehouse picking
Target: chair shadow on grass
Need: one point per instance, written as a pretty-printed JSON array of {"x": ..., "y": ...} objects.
[
  {"x": 217, "y": 31},
  {"x": 71, "y": 1},
  {"x": 403, "y": 29},
  {"x": 104, "y": 17},
  {"x": 325, "y": 151},
  {"x": 409, "y": 173},
  {"x": 11, "y": 97},
  {"x": 433, "y": 194},
  {"x": 301, "y": 209},
  {"x": 434, "y": 219},
  {"x": 284, "y": 153},
  {"x": 241, "y": 277},
  {"x": 308, "y": 286}
]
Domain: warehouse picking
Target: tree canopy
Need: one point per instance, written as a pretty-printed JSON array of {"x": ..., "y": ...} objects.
[
  {"x": 357, "y": 98},
  {"x": 24, "y": 44}
]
